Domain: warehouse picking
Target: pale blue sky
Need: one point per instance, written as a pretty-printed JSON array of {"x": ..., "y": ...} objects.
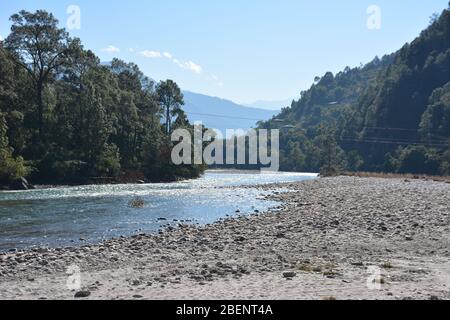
[{"x": 240, "y": 50}]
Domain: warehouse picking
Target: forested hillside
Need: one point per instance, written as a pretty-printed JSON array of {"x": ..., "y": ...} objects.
[
  {"x": 66, "y": 118},
  {"x": 392, "y": 114}
]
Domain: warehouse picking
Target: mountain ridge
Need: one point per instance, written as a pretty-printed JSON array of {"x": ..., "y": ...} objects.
[{"x": 221, "y": 114}]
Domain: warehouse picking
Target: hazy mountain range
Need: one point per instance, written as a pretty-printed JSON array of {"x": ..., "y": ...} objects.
[{"x": 221, "y": 114}]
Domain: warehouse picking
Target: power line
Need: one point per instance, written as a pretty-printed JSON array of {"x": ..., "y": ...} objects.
[
  {"x": 396, "y": 129},
  {"x": 438, "y": 141},
  {"x": 395, "y": 142},
  {"x": 348, "y": 127},
  {"x": 222, "y": 116}
]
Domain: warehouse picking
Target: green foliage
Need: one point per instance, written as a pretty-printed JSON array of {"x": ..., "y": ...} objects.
[
  {"x": 332, "y": 158},
  {"x": 76, "y": 120},
  {"x": 11, "y": 168},
  {"x": 171, "y": 99},
  {"x": 436, "y": 119},
  {"x": 416, "y": 159}
]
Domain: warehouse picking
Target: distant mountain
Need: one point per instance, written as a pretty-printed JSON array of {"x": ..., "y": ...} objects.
[
  {"x": 217, "y": 113},
  {"x": 271, "y": 105}
]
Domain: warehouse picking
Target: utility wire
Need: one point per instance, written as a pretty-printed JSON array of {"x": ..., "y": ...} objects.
[
  {"x": 438, "y": 141},
  {"x": 395, "y": 142}
]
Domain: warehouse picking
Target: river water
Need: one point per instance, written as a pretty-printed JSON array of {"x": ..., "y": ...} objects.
[{"x": 67, "y": 216}]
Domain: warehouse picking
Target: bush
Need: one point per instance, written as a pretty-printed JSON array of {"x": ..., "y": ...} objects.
[{"x": 11, "y": 169}]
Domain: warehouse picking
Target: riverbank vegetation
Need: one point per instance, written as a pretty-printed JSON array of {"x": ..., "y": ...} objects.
[{"x": 65, "y": 117}]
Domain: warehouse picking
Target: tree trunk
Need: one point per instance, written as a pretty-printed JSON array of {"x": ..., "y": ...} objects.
[
  {"x": 81, "y": 115},
  {"x": 40, "y": 105},
  {"x": 168, "y": 120}
]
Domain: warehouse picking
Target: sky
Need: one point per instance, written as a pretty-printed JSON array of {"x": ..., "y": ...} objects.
[{"x": 239, "y": 50}]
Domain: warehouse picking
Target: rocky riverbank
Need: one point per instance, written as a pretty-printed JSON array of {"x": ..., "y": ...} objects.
[{"x": 336, "y": 238}]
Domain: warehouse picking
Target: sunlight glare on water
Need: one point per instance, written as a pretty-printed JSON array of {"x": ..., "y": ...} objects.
[{"x": 64, "y": 215}]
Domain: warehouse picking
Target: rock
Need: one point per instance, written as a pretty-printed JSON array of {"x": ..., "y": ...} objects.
[
  {"x": 140, "y": 182},
  {"x": 357, "y": 264},
  {"x": 135, "y": 283},
  {"x": 82, "y": 294},
  {"x": 289, "y": 274},
  {"x": 240, "y": 239}
]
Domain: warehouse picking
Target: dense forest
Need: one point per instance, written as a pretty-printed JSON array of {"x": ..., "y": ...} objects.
[
  {"x": 65, "y": 117},
  {"x": 391, "y": 115}
]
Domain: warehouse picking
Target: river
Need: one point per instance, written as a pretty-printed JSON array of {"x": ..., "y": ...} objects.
[{"x": 67, "y": 216}]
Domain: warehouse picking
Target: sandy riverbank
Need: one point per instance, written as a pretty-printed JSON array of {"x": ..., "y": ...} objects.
[{"x": 321, "y": 244}]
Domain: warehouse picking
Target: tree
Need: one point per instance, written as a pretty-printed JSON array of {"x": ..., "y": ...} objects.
[
  {"x": 331, "y": 155},
  {"x": 417, "y": 159},
  {"x": 11, "y": 168},
  {"x": 40, "y": 47},
  {"x": 80, "y": 62},
  {"x": 354, "y": 160},
  {"x": 77, "y": 121},
  {"x": 170, "y": 99},
  {"x": 436, "y": 119}
]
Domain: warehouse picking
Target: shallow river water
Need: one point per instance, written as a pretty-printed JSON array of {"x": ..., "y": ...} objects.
[{"x": 88, "y": 214}]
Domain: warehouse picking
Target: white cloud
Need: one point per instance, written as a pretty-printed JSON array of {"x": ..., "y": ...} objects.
[
  {"x": 189, "y": 65},
  {"x": 111, "y": 49},
  {"x": 193, "y": 67},
  {"x": 168, "y": 55},
  {"x": 150, "y": 54},
  {"x": 212, "y": 77},
  {"x": 131, "y": 49}
]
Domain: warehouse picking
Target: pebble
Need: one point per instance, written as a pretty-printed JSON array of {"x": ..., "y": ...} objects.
[
  {"x": 289, "y": 274},
  {"x": 82, "y": 294}
]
